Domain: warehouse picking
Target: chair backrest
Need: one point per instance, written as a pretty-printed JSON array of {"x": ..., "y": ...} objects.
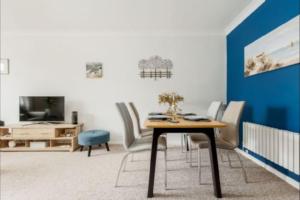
[
  {"x": 128, "y": 125},
  {"x": 232, "y": 117},
  {"x": 213, "y": 109},
  {"x": 137, "y": 116}
]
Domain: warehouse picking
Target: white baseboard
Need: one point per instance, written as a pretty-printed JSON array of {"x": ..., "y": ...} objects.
[{"x": 287, "y": 179}]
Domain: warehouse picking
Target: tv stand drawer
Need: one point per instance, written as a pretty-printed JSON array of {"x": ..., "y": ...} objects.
[{"x": 28, "y": 133}]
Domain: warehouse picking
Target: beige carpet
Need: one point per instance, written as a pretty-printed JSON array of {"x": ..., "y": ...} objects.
[{"x": 73, "y": 176}]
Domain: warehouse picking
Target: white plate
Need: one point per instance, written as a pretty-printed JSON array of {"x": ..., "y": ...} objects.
[
  {"x": 196, "y": 117},
  {"x": 158, "y": 117}
]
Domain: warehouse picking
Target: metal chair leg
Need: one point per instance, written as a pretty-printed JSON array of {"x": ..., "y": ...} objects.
[
  {"x": 166, "y": 169},
  {"x": 221, "y": 155},
  {"x": 125, "y": 164},
  {"x": 243, "y": 167},
  {"x": 182, "y": 143},
  {"x": 186, "y": 144},
  {"x": 199, "y": 165},
  {"x": 229, "y": 160},
  {"x": 132, "y": 157},
  {"x": 186, "y": 157},
  {"x": 166, "y": 135},
  {"x": 191, "y": 152},
  {"x": 122, "y": 163}
]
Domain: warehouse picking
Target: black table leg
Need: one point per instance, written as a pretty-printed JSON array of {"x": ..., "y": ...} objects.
[
  {"x": 156, "y": 134},
  {"x": 214, "y": 164},
  {"x": 187, "y": 142},
  {"x": 212, "y": 151}
]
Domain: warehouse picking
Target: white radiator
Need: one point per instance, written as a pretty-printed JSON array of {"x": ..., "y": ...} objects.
[{"x": 278, "y": 146}]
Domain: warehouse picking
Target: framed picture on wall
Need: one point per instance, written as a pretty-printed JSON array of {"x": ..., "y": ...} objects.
[
  {"x": 4, "y": 66},
  {"x": 277, "y": 49},
  {"x": 94, "y": 70}
]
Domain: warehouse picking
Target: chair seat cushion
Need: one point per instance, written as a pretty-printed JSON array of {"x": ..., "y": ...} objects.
[
  {"x": 198, "y": 137},
  {"x": 93, "y": 137},
  {"x": 145, "y": 143},
  {"x": 146, "y": 132},
  {"x": 202, "y": 141}
]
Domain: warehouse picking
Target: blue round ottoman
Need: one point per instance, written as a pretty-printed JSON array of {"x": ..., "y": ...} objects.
[{"x": 93, "y": 137}]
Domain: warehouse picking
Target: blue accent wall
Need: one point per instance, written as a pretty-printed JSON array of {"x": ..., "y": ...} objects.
[{"x": 272, "y": 98}]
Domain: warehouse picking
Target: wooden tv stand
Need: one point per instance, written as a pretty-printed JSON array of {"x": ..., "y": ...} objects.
[{"x": 57, "y": 137}]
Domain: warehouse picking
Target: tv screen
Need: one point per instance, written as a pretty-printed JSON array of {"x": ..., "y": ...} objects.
[{"x": 50, "y": 108}]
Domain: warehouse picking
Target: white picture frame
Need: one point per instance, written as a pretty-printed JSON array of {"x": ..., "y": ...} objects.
[
  {"x": 275, "y": 50},
  {"x": 94, "y": 70}
]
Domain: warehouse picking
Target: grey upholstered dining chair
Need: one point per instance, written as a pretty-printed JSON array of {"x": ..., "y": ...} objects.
[
  {"x": 212, "y": 113},
  {"x": 143, "y": 132},
  {"x": 228, "y": 138},
  {"x": 135, "y": 145}
]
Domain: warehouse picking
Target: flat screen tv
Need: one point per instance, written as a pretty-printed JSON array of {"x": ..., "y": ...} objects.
[{"x": 42, "y": 108}]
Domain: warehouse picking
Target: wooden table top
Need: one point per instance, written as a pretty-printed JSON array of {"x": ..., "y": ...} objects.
[{"x": 184, "y": 124}]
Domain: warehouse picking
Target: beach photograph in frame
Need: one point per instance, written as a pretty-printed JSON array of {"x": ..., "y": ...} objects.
[{"x": 277, "y": 49}]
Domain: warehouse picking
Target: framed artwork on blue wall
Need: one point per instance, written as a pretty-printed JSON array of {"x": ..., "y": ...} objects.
[{"x": 277, "y": 49}]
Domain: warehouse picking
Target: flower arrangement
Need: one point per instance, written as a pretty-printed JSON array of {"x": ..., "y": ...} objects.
[{"x": 172, "y": 99}]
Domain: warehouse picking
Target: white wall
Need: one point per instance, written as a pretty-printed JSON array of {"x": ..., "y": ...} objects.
[{"x": 54, "y": 64}]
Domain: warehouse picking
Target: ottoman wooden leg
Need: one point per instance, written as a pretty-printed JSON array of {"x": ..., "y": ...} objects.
[
  {"x": 81, "y": 148},
  {"x": 89, "y": 152},
  {"x": 107, "y": 147}
]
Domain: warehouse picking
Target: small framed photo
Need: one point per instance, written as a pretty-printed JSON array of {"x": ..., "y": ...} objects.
[
  {"x": 4, "y": 66},
  {"x": 94, "y": 70}
]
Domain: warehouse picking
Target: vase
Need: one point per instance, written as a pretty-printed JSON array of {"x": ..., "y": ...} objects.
[{"x": 172, "y": 110}]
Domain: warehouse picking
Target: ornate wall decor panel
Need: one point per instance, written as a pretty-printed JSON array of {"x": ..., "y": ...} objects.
[{"x": 155, "y": 67}]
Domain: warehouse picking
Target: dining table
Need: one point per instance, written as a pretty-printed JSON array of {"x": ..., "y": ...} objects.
[{"x": 182, "y": 126}]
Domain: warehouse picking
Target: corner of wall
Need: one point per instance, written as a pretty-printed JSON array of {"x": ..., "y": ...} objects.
[{"x": 243, "y": 15}]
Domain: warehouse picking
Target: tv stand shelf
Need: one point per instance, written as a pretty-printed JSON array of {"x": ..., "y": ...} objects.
[{"x": 54, "y": 137}]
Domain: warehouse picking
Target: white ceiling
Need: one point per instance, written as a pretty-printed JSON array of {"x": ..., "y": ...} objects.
[{"x": 199, "y": 16}]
